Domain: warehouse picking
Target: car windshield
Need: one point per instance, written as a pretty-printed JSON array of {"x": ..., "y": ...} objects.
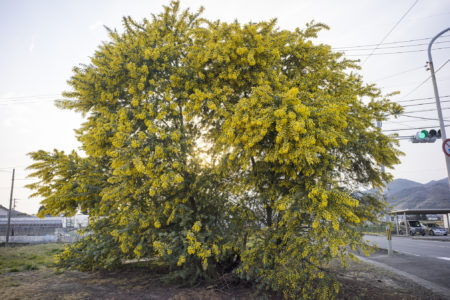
[
  {"x": 414, "y": 223},
  {"x": 432, "y": 225}
]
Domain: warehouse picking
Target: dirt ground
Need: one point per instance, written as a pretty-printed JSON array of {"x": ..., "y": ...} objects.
[
  {"x": 360, "y": 281},
  {"x": 26, "y": 273}
]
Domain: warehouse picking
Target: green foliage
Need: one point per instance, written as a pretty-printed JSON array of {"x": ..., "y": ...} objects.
[
  {"x": 28, "y": 258},
  {"x": 218, "y": 147}
]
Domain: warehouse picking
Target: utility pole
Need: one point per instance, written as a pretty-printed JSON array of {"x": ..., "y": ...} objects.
[
  {"x": 438, "y": 102},
  {"x": 14, "y": 211},
  {"x": 9, "y": 212},
  {"x": 388, "y": 218}
]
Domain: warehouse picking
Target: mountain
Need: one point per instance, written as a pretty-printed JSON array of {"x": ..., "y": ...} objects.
[
  {"x": 407, "y": 194},
  {"x": 401, "y": 184}
]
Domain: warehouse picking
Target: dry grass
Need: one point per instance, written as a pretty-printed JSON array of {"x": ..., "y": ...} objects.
[
  {"x": 28, "y": 258},
  {"x": 142, "y": 281}
]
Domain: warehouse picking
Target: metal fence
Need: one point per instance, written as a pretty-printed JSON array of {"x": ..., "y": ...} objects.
[{"x": 374, "y": 229}]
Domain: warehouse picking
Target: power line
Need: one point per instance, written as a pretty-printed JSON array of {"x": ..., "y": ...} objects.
[
  {"x": 390, "y": 31},
  {"x": 391, "y": 47},
  {"x": 30, "y": 100},
  {"x": 415, "y": 128},
  {"x": 410, "y": 121},
  {"x": 390, "y": 43},
  {"x": 422, "y": 118},
  {"x": 31, "y": 96},
  {"x": 427, "y": 103},
  {"x": 404, "y": 123},
  {"x": 420, "y": 99},
  {"x": 424, "y": 110},
  {"x": 398, "y": 74},
  {"x": 397, "y": 52},
  {"x": 426, "y": 80},
  {"x": 25, "y": 102}
]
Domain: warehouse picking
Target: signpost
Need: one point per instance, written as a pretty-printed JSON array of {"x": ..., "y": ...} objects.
[
  {"x": 389, "y": 239},
  {"x": 446, "y": 147}
]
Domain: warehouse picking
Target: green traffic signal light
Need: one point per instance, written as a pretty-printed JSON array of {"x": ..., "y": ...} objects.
[{"x": 423, "y": 134}]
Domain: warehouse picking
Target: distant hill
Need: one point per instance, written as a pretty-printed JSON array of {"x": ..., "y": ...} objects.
[{"x": 407, "y": 194}]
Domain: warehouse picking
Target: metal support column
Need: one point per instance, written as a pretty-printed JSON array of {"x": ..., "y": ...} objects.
[
  {"x": 396, "y": 222},
  {"x": 438, "y": 102},
  {"x": 406, "y": 224}
]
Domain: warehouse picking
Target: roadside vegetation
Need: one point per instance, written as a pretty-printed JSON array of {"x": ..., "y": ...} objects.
[
  {"x": 26, "y": 273},
  {"x": 28, "y": 258}
]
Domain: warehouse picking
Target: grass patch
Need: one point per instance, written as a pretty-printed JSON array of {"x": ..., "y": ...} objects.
[{"x": 28, "y": 258}]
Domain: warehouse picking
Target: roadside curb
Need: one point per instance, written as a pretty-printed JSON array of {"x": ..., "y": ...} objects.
[
  {"x": 439, "y": 290},
  {"x": 429, "y": 238}
]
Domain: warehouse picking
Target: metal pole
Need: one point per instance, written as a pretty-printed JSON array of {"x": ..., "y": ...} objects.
[
  {"x": 389, "y": 239},
  {"x": 389, "y": 234},
  {"x": 448, "y": 221},
  {"x": 9, "y": 212},
  {"x": 396, "y": 222},
  {"x": 438, "y": 102},
  {"x": 406, "y": 224},
  {"x": 388, "y": 219}
]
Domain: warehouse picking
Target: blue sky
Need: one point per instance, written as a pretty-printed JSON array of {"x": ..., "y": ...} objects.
[{"x": 41, "y": 41}]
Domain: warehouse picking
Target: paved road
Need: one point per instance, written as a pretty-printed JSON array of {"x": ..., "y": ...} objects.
[
  {"x": 427, "y": 262},
  {"x": 426, "y": 248}
]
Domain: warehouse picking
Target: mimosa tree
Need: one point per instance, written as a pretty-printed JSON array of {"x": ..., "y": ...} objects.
[{"x": 220, "y": 147}]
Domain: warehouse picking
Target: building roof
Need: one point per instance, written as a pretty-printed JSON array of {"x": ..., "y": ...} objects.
[
  {"x": 15, "y": 213},
  {"x": 425, "y": 211},
  {"x": 32, "y": 221}
]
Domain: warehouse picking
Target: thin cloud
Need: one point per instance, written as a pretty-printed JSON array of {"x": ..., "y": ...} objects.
[
  {"x": 96, "y": 25},
  {"x": 31, "y": 48}
]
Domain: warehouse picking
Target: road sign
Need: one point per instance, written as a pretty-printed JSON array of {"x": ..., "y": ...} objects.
[{"x": 446, "y": 147}]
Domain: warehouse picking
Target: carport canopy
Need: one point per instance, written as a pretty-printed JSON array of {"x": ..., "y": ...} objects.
[
  {"x": 423, "y": 211},
  {"x": 419, "y": 211}
]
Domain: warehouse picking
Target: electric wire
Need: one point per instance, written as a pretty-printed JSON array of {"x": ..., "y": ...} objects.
[
  {"x": 409, "y": 121},
  {"x": 391, "y": 47},
  {"x": 390, "y": 31},
  {"x": 422, "y": 118},
  {"x": 414, "y": 128},
  {"x": 425, "y": 110},
  {"x": 405, "y": 124},
  {"x": 398, "y": 74},
  {"x": 389, "y": 43},
  {"x": 397, "y": 52},
  {"x": 421, "y": 99},
  {"x": 426, "y": 80},
  {"x": 427, "y": 103},
  {"x": 31, "y": 96}
]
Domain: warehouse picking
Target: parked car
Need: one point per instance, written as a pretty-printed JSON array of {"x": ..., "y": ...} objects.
[
  {"x": 414, "y": 228},
  {"x": 435, "y": 229}
]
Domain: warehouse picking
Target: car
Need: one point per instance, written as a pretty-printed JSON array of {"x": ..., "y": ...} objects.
[
  {"x": 414, "y": 227},
  {"x": 435, "y": 229}
]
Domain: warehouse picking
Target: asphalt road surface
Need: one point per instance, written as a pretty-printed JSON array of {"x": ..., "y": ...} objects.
[
  {"x": 426, "y": 261},
  {"x": 425, "y": 248}
]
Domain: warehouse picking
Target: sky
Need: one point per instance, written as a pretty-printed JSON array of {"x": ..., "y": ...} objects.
[{"x": 41, "y": 41}]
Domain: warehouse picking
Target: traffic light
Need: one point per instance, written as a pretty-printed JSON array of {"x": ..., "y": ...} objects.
[{"x": 426, "y": 136}]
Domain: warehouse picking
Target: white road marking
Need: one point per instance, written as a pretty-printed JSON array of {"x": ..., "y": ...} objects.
[{"x": 401, "y": 251}]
